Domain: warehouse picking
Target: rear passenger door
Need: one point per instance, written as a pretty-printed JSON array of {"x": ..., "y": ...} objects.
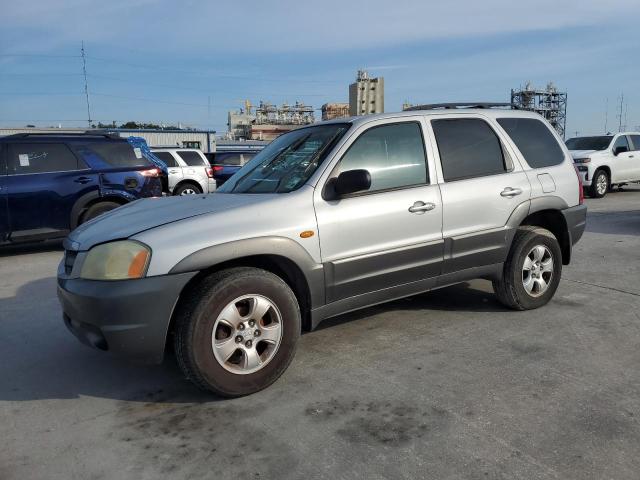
[
  {"x": 4, "y": 212},
  {"x": 634, "y": 170},
  {"x": 44, "y": 181},
  {"x": 174, "y": 169},
  {"x": 623, "y": 162},
  {"x": 481, "y": 186}
]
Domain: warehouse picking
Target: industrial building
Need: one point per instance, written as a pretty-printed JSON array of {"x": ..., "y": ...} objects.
[
  {"x": 548, "y": 102},
  {"x": 334, "y": 110},
  {"x": 366, "y": 95},
  {"x": 205, "y": 140},
  {"x": 269, "y": 121}
]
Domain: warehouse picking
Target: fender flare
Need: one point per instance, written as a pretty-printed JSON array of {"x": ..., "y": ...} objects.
[{"x": 271, "y": 245}]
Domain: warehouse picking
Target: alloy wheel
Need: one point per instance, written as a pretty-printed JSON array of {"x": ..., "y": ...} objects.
[{"x": 537, "y": 270}]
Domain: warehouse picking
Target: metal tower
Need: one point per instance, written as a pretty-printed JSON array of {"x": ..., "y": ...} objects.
[{"x": 550, "y": 103}]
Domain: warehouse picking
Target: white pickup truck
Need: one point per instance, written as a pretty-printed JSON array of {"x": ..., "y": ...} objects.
[{"x": 606, "y": 160}]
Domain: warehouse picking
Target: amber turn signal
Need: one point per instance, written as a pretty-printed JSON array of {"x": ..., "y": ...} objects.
[{"x": 306, "y": 234}]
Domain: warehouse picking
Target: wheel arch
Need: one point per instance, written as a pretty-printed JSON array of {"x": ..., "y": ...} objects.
[
  {"x": 187, "y": 181},
  {"x": 279, "y": 255},
  {"x": 545, "y": 212},
  {"x": 88, "y": 200}
]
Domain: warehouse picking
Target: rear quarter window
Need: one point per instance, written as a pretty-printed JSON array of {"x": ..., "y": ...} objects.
[
  {"x": 192, "y": 159},
  {"x": 116, "y": 154},
  {"x": 534, "y": 140}
]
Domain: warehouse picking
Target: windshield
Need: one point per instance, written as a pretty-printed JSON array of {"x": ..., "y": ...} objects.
[
  {"x": 589, "y": 143},
  {"x": 287, "y": 162}
]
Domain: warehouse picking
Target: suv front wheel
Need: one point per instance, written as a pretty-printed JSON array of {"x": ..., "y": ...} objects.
[
  {"x": 237, "y": 331},
  {"x": 532, "y": 271}
]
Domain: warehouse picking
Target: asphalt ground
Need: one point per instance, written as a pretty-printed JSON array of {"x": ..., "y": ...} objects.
[{"x": 443, "y": 385}]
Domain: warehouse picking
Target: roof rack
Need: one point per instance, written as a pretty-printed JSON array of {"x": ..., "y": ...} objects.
[
  {"x": 87, "y": 133},
  {"x": 458, "y": 105}
]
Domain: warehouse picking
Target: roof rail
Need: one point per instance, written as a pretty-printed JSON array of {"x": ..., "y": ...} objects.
[
  {"x": 457, "y": 105},
  {"x": 87, "y": 133}
]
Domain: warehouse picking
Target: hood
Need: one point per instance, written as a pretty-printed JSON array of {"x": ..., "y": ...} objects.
[
  {"x": 141, "y": 215},
  {"x": 582, "y": 153}
]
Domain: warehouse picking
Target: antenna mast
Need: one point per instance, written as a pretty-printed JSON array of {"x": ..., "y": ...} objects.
[{"x": 86, "y": 86}]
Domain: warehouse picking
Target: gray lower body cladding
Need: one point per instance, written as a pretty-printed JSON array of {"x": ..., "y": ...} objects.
[
  {"x": 128, "y": 317},
  {"x": 576, "y": 218}
]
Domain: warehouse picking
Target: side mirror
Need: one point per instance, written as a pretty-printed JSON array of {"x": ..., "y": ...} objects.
[
  {"x": 620, "y": 149},
  {"x": 351, "y": 181}
]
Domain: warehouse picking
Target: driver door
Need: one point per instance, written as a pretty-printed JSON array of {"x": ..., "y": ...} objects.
[
  {"x": 4, "y": 209},
  {"x": 391, "y": 234}
]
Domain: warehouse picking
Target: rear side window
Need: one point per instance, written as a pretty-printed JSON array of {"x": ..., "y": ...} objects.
[
  {"x": 167, "y": 158},
  {"x": 635, "y": 139},
  {"x": 118, "y": 154},
  {"x": 393, "y": 155},
  {"x": 468, "y": 148},
  {"x": 192, "y": 159},
  {"x": 25, "y": 158},
  {"x": 534, "y": 140}
]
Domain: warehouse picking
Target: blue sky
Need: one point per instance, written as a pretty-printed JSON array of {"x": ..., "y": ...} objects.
[{"x": 192, "y": 61}]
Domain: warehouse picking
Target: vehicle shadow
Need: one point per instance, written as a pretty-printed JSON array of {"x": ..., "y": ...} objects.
[
  {"x": 614, "y": 222},
  {"x": 27, "y": 248},
  {"x": 40, "y": 359},
  {"x": 463, "y": 297}
]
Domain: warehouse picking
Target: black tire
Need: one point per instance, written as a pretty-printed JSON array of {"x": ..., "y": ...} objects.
[
  {"x": 98, "y": 209},
  {"x": 196, "y": 318},
  {"x": 600, "y": 175},
  {"x": 187, "y": 186},
  {"x": 510, "y": 289}
]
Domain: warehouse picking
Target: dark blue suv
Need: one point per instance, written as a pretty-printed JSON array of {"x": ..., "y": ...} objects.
[{"x": 51, "y": 183}]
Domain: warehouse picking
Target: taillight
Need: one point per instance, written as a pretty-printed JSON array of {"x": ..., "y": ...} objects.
[
  {"x": 209, "y": 171},
  {"x": 218, "y": 168},
  {"x": 152, "y": 172},
  {"x": 580, "y": 188}
]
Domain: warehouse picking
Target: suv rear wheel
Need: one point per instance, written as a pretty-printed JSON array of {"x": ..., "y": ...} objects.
[
  {"x": 237, "y": 331},
  {"x": 187, "y": 189},
  {"x": 599, "y": 185},
  {"x": 98, "y": 209},
  {"x": 532, "y": 271}
]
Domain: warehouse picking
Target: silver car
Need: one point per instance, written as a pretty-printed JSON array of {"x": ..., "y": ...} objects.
[
  {"x": 189, "y": 170},
  {"x": 328, "y": 218}
]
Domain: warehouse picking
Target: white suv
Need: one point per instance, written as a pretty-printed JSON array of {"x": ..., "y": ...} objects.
[
  {"x": 327, "y": 219},
  {"x": 606, "y": 160},
  {"x": 189, "y": 170}
]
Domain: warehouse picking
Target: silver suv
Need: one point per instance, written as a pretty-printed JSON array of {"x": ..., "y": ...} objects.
[
  {"x": 189, "y": 170},
  {"x": 327, "y": 219}
]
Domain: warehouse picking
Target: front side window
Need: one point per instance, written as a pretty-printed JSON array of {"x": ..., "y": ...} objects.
[
  {"x": 288, "y": 162},
  {"x": 621, "y": 141},
  {"x": 25, "y": 158},
  {"x": 392, "y": 154},
  {"x": 192, "y": 159},
  {"x": 468, "y": 148},
  {"x": 534, "y": 140},
  {"x": 167, "y": 158}
]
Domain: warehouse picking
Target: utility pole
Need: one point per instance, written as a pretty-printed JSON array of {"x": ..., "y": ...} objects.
[
  {"x": 86, "y": 86},
  {"x": 606, "y": 114},
  {"x": 620, "y": 114}
]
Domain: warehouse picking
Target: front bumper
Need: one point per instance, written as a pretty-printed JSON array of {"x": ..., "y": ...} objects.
[
  {"x": 576, "y": 218},
  {"x": 127, "y": 317}
]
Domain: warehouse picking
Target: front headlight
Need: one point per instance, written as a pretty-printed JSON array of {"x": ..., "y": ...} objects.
[{"x": 120, "y": 260}]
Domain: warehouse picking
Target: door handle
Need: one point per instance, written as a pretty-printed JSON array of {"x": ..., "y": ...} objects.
[
  {"x": 421, "y": 207},
  {"x": 174, "y": 171},
  {"x": 82, "y": 180},
  {"x": 510, "y": 192}
]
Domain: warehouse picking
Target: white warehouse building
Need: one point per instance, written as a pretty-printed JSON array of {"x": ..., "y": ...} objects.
[{"x": 205, "y": 140}]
